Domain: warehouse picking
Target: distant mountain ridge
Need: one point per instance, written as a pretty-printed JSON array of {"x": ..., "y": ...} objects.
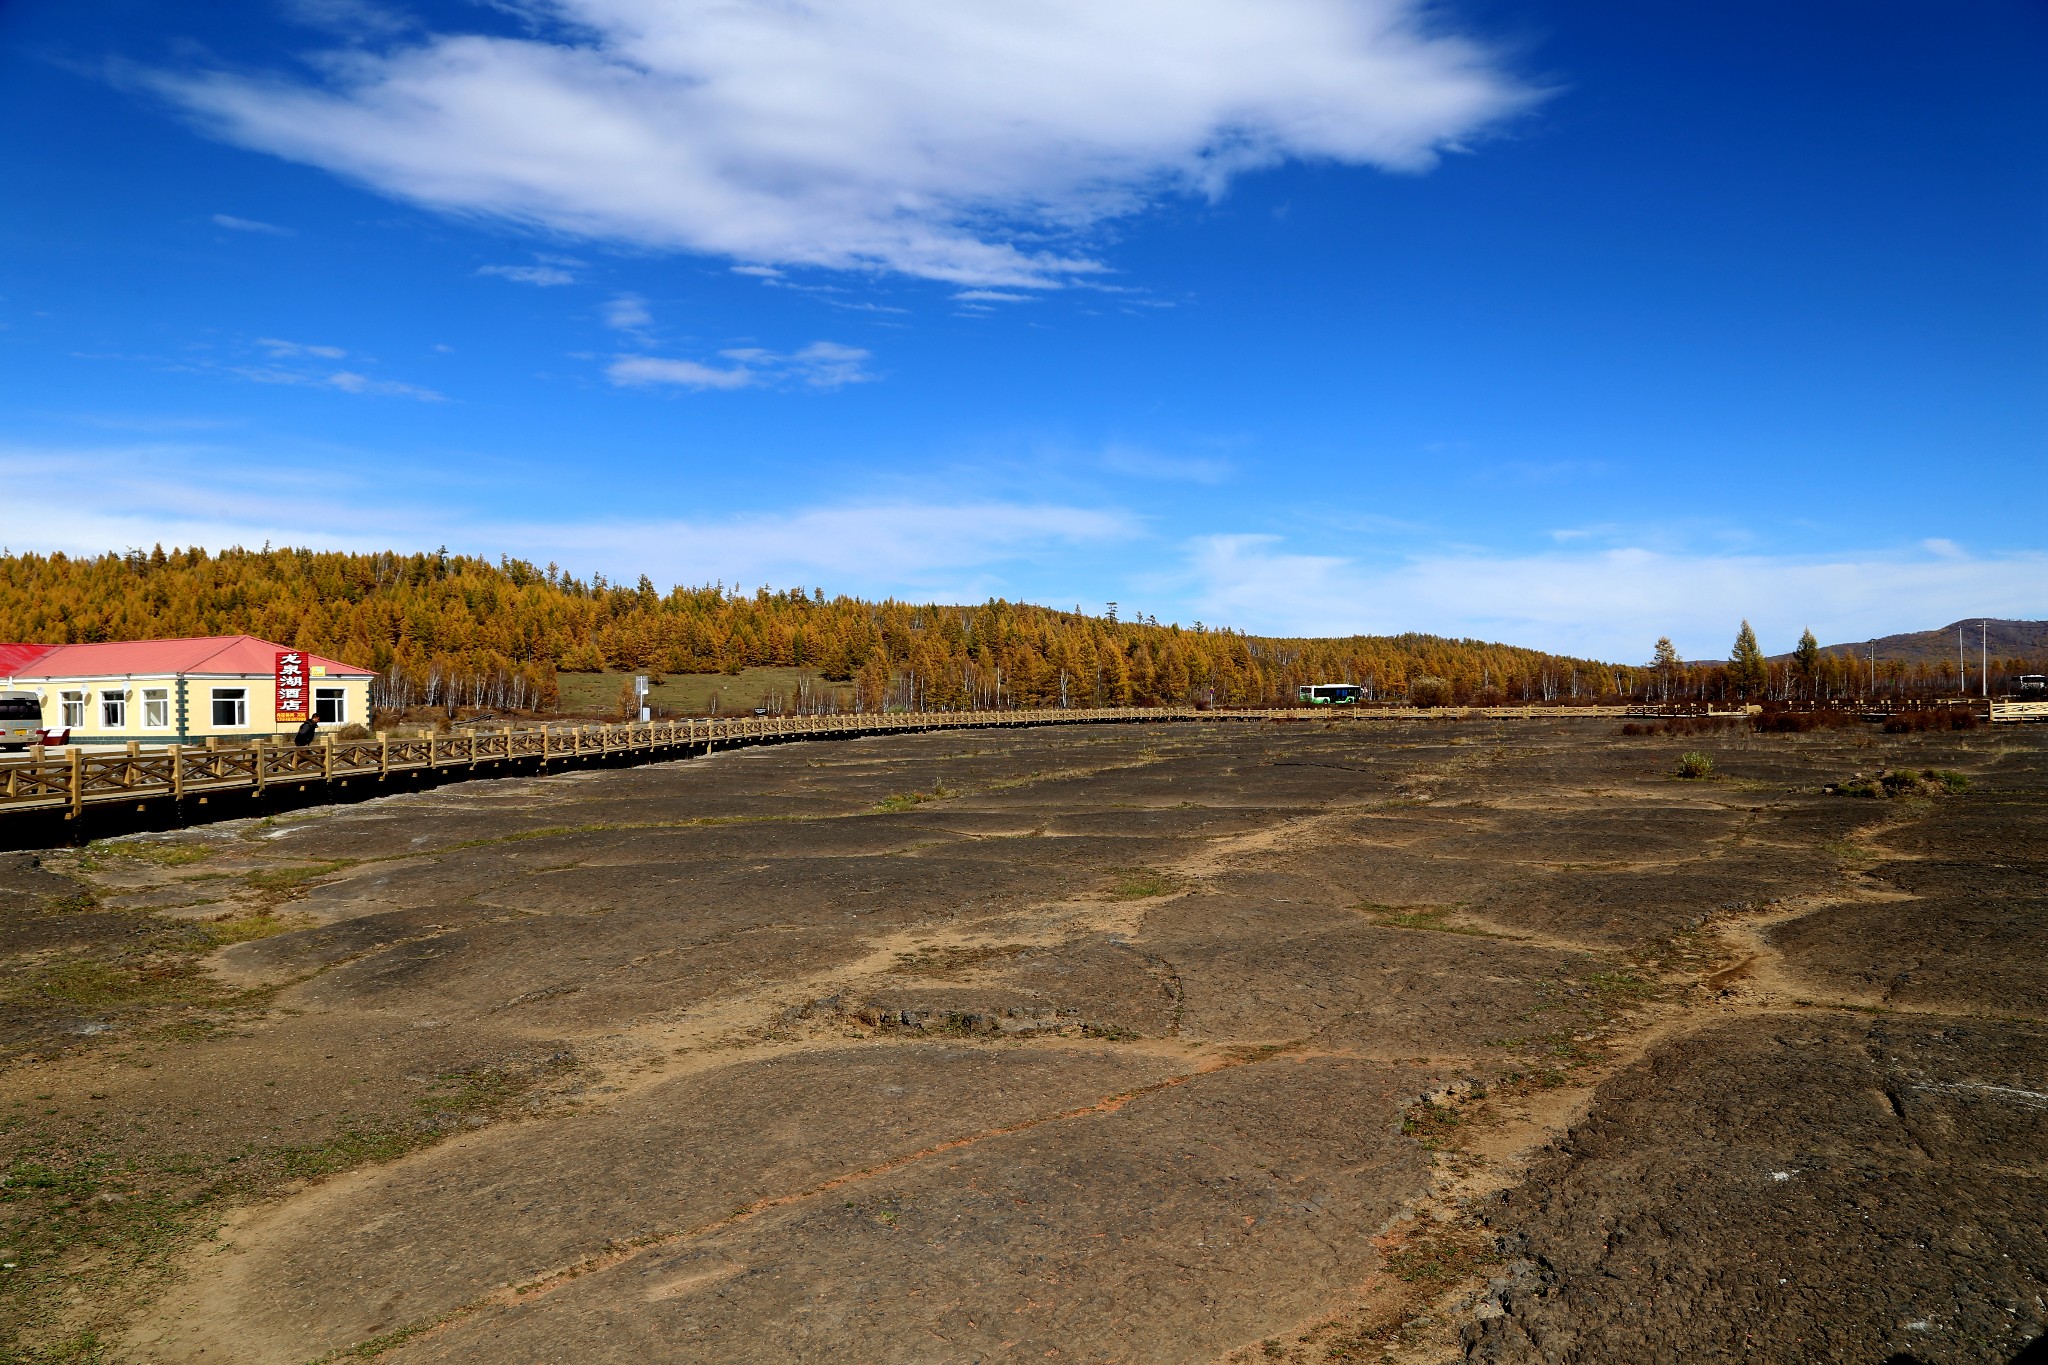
[{"x": 2005, "y": 639}]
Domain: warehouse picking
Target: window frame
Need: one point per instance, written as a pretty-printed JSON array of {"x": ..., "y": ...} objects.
[
  {"x": 156, "y": 697},
  {"x": 113, "y": 708},
  {"x": 238, "y": 697},
  {"x": 71, "y": 708},
  {"x": 337, "y": 695}
]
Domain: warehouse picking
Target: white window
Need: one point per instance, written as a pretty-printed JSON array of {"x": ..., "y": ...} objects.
[
  {"x": 330, "y": 705},
  {"x": 156, "y": 708},
  {"x": 230, "y": 707},
  {"x": 114, "y": 708},
  {"x": 74, "y": 709}
]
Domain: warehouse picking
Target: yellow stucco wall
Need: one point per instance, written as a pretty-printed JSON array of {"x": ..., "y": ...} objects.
[{"x": 260, "y": 709}]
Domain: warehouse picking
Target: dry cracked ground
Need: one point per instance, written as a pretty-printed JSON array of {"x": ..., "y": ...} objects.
[{"x": 1359, "y": 1041}]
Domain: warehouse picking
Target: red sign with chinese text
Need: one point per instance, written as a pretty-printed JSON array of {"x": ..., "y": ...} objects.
[{"x": 291, "y": 685}]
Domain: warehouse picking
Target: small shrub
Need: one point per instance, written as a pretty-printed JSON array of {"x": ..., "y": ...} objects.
[
  {"x": 1926, "y": 782},
  {"x": 1694, "y": 764},
  {"x": 1429, "y": 691},
  {"x": 1919, "y": 722}
]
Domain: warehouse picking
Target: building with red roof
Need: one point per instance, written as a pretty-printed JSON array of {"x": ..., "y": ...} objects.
[{"x": 179, "y": 691}]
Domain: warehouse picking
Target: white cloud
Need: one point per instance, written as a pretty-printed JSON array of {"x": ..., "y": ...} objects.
[
  {"x": 632, "y": 370},
  {"x": 353, "y": 19},
  {"x": 820, "y": 365},
  {"x": 542, "y": 275},
  {"x": 939, "y": 140},
  {"x": 343, "y": 381},
  {"x": 286, "y": 349},
  {"x": 828, "y": 365},
  {"x": 228, "y": 220},
  {"x": 627, "y": 313},
  {"x": 186, "y": 494},
  {"x": 991, "y": 296},
  {"x": 1609, "y": 604},
  {"x": 319, "y": 376}
]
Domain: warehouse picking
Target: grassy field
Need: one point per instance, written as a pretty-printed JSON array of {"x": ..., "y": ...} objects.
[{"x": 698, "y": 694}]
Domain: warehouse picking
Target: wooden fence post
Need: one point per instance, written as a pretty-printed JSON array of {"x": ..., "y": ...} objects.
[{"x": 77, "y": 782}]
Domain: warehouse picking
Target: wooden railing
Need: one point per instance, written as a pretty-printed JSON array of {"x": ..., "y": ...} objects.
[{"x": 73, "y": 778}]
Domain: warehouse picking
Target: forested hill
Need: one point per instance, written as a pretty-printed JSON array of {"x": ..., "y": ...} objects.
[
  {"x": 437, "y": 625},
  {"x": 2001, "y": 639}
]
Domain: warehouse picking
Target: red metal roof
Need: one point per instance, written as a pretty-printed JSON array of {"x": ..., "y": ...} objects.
[
  {"x": 14, "y": 658},
  {"x": 240, "y": 654}
]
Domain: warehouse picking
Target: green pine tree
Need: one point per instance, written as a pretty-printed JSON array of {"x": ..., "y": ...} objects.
[
  {"x": 1747, "y": 671},
  {"x": 1806, "y": 658}
]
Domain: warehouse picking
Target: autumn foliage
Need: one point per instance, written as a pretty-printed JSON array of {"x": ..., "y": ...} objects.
[{"x": 453, "y": 630}]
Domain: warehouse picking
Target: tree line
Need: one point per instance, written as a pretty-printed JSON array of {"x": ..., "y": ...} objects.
[
  {"x": 1812, "y": 674},
  {"x": 463, "y": 631}
]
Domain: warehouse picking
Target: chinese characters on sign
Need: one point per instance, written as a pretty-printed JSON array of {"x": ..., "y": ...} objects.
[{"x": 291, "y": 684}]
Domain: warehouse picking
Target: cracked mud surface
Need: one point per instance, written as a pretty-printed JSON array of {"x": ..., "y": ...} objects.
[{"x": 1391, "y": 1042}]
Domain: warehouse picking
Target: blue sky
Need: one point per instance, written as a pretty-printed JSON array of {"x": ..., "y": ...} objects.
[{"x": 1565, "y": 324}]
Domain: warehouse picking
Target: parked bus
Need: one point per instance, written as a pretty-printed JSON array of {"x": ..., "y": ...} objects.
[
  {"x": 21, "y": 719},
  {"x": 1329, "y": 694}
]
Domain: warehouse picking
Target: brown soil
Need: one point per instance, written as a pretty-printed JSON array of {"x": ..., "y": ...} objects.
[{"x": 1366, "y": 1042}]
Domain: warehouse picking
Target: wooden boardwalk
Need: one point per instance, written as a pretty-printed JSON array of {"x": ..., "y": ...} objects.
[{"x": 71, "y": 781}]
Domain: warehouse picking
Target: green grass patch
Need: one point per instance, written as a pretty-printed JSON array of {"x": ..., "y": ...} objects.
[
  {"x": 1694, "y": 765},
  {"x": 903, "y": 801},
  {"x": 1443, "y": 1258},
  {"x": 1434, "y": 918},
  {"x": 293, "y": 879},
  {"x": 94, "y": 984},
  {"x": 250, "y": 927},
  {"x": 700, "y": 694},
  {"x": 163, "y": 854},
  {"x": 79, "y": 1215},
  {"x": 1141, "y": 883},
  {"x": 1620, "y": 989}
]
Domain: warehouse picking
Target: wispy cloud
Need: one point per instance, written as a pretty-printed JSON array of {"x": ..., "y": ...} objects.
[
  {"x": 301, "y": 372},
  {"x": 992, "y": 296},
  {"x": 951, "y": 142},
  {"x": 820, "y": 365},
  {"x": 342, "y": 381},
  {"x": 1605, "y": 603},
  {"x": 627, "y": 313},
  {"x": 228, "y": 220},
  {"x": 643, "y": 370},
  {"x": 203, "y": 494},
  {"x": 543, "y": 275},
  {"x": 355, "y": 20},
  {"x": 284, "y": 349},
  {"x": 1140, "y": 463}
]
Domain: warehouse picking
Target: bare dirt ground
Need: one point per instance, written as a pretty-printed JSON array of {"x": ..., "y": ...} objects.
[{"x": 1197, "y": 1043}]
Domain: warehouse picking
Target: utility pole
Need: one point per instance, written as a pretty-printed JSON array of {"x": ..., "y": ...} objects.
[
  {"x": 1984, "y": 656},
  {"x": 1962, "y": 669}
]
